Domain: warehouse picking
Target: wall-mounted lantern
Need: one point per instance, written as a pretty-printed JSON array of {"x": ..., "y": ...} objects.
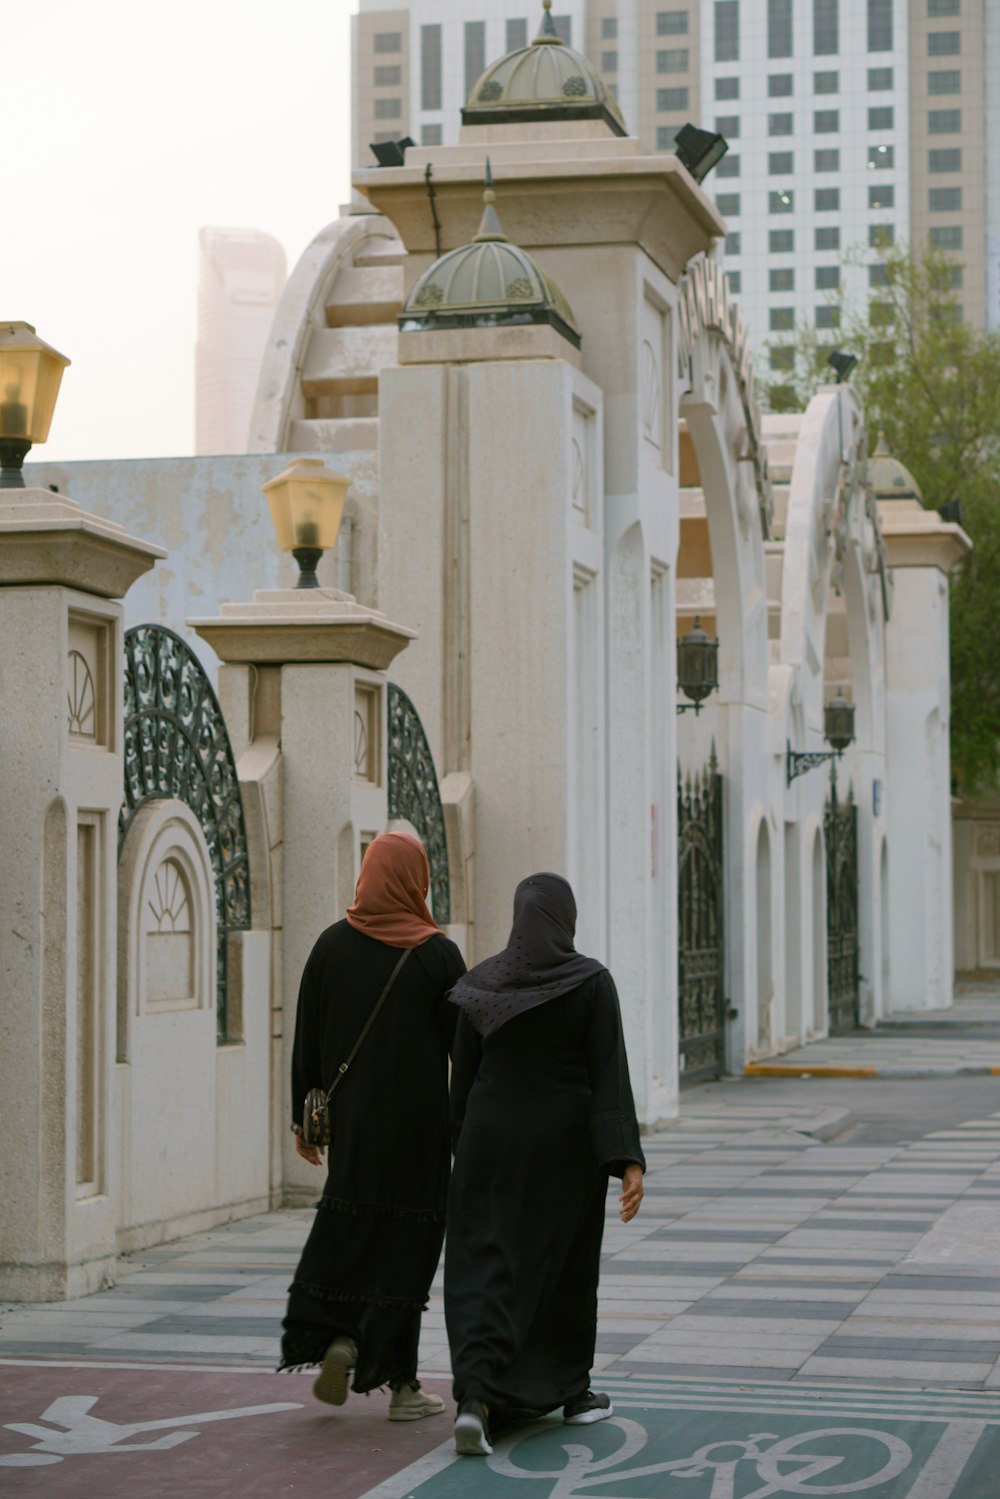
[
  {"x": 30, "y": 373},
  {"x": 307, "y": 503},
  {"x": 697, "y": 667},
  {"x": 838, "y": 731}
]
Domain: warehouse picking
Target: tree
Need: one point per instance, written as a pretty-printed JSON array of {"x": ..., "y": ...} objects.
[{"x": 931, "y": 383}]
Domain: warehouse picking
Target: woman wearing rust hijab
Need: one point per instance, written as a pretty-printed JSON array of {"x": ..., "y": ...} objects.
[
  {"x": 543, "y": 1115},
  {"x": 366, "y": 1269}
]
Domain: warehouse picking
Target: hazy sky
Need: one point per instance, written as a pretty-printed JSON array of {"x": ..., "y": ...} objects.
[{"x": 134, "y": 124}]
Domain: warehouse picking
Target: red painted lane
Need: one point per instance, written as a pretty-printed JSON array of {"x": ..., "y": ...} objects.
[{"x": 311, "y": 1450}]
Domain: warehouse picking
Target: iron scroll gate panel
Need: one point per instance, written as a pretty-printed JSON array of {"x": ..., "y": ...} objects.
[
  {"x": 413, "y": 793},
  {"x": 700, "y": 926},
  {"x": 840, "y": 825},
  {"x": 176, "y": 746}
]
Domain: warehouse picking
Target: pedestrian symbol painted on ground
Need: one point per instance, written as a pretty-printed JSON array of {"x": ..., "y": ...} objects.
[{"x": 72, "y": 1431}]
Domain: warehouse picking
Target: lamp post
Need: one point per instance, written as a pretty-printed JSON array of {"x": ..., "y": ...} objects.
[
  {"x": 697, "y": 667},
  {"x": 30, "y": 373},
  {"x": 307, "y": 503},
  {"x": 838, "y": 731}
]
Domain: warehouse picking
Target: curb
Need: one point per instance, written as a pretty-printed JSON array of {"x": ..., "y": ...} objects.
[{"x": 823, "y": 1069}]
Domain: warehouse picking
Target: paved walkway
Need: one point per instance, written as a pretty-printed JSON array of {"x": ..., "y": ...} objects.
[{"x": 769, "y": 1325}]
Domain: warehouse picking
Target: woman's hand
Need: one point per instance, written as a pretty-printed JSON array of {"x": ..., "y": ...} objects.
[
  {"x": 311, "y": 1153},
  {"x": 631, "y": 1192}
]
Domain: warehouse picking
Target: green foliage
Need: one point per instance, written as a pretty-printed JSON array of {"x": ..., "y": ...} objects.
[{"x": 931, "y": 383}]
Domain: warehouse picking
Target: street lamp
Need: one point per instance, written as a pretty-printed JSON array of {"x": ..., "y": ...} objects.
[
  {"x": 307, "y": 503},
  {"x": 699, "y": 150},
  {"x": 30, "y": 372},
  {"x": 838, "y": 731},
  {"x": 697, "y": 667}
]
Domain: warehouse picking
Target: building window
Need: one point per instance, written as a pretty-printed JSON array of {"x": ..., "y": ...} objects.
[
  {"x": 948, "y": 82},
  {"x": 674, "y": 60},
  {"x": 430, "y": 67},
  {"x": 881, "y": 118},
  {"x": 947, "y": 237},
  {"x": 826, "y": 27},
  {"x": 948, "y": 159},
  {"x": 729, "y": 126},
  {"x": 668, "y": 99},
  {"x": 881, "y": 314},
  {"x": 388, "y": 41},
  {"x": 783, "y": 201},
  {"x": 729, "y": 166},
  {"x": 782, "y": 279},
  {"x": 879, "y": 79},
  {"x": 475, "y": 53},
  {"x": 385, "y": 135},
  {"x": 564, "y": 29},
  {"x": 878, "y": 275},
  {"x": 938, "y": 8},
  {"x": 827, "y": 160},
  {"x": 388, "y": 109},
  {"x": 779, "y": 163},
  {"x": 609, "y": 62},
  {"x": 880, "y": 158},
  {"x": 827, "y": 317},
  {"x": 734, "y": 243},
  {"x": 672, "y": 23},
  {"x": 957, "y": 278},
  {"x": 728, "y": 205},
  {"x": 945, "y": 200},
  {"x": 781, "y": 319},
  {"x": 779, "y": 28},
  {"x": 944, "y": 43},
  {"x": 779, "y": 124},
  {"x": 782, "y": 359},
  {"x": 779, "y": 86},
  {"x": 826, "y": 121},
  {"x": 826, "y": 83},
  {"x": 826, "y": 199},
  {"x": 609, "y": 29},
  {"x": 879, "y": 25},
  {"x": 781, "y": 241},
  {"x": 735, "y": 282},
  {"x": 944, "y": 121},
  {"x": 827, "y": 277},
  {"x": 727, "y": 30},
  {"x": 828, "y": 238},
  {"x": 880, "y": 235},
  {"x": 882, "y": 197},
  {"x": 430, "y": 135},
  {"x": 390, "y": 75},
  {"x": 727, "y": 88},
  {"x": 666, "y": 137}
]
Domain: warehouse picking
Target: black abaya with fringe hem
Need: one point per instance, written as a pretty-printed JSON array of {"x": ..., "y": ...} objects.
[
  {"x": 375, "y": 1242},
  {"x": 543, "y": 1112}
]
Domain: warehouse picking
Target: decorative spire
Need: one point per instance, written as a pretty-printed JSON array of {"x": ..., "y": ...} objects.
[
  {"x": 547, "y": 34},
  {"x": 490, "y": 227}
]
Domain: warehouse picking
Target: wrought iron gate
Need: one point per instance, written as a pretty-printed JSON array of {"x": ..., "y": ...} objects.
[
  {"x": 840, "y": 826},
  {"x": 413, "y": 793},
  {"x": 176, "y": 745},
  {"x": 700, "y": 926}
]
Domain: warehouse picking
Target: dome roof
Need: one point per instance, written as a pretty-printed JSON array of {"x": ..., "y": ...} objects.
[
  {"x": 489, "y": 283},
  {"x": 889, "y": 478},
  {"x": 544, "y": 81}
]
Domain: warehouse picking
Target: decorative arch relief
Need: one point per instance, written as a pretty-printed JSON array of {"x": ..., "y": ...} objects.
[
  {"x": 705, "y": 307},
  {"x": 88, "y": 717}
]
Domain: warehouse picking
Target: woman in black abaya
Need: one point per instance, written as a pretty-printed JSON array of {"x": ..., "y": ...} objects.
[{"x": 542, "y": 1114}]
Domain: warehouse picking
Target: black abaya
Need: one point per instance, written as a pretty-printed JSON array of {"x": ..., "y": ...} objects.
[
  {"x": 374, "y": 1246},
  {"x": 543, "y": 1112}
]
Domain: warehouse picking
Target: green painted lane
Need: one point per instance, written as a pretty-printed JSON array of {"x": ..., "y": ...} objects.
[{"x": 691, "y": 1439}]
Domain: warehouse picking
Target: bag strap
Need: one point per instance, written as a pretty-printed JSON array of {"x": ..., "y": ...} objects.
[{"x": 342, "y": 1070}]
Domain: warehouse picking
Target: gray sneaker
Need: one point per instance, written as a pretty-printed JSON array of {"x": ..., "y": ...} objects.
[
  {"x": 472, "y": 1435},
  {"x": 332, "y": 1383},
  {"x": 583, "y": 1409}
]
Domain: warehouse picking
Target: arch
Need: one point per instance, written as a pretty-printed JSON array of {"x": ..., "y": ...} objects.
[
  {"x": 794, "y": 1019},
  {"x": 414, "y": 796},
  {"x": 176, "y": 748},
  {"x": 765, "y": 950},
  {"x": 817, "y": 885}
]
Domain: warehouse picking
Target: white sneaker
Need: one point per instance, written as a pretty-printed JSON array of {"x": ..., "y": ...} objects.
[
  {"x": 332, "y": 1383},
  {"x": 411, "y": 1403}
]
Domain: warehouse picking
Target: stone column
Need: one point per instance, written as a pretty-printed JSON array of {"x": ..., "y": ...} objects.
[
  {"x": 61, "y": 697},
  {"x": 922, "y": 550},
  {"x": 304, "y": 671}
]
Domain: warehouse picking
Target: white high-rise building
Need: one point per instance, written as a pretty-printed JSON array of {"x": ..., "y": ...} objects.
[
  {"x": 848, "y": 121},
  {"x": 241, "y": 275}
]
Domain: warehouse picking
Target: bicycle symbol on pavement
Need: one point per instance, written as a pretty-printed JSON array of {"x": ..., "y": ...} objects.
[{"x": 785, "y": 1467}]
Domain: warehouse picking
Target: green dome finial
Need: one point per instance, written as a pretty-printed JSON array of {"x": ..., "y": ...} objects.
[
  {"x": 490, "y": 228},
  {"x": 547, "y": 33}
]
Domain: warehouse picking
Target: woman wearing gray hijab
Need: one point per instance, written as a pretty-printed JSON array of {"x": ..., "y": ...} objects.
[{"x": 542, "y": 1115}]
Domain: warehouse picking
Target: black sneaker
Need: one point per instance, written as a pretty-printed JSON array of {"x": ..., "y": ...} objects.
[
  {"x": 472, "y": 1435},
  {"x": 586, "y": 1408}
]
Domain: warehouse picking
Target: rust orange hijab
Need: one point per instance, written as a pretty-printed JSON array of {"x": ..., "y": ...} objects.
[{"x": 390, "y": 902}]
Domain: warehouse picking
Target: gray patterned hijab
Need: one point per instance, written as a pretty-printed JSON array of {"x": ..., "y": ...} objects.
[{"x": 538, "y": 963}]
